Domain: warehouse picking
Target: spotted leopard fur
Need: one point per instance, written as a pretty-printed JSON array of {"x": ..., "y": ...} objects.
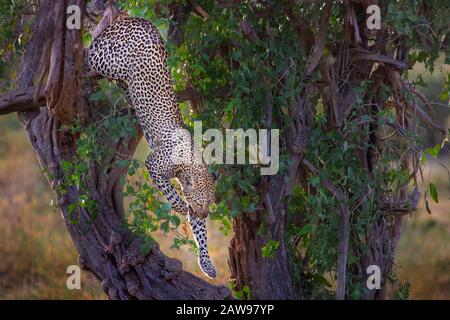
[{"x": 132, "y": 53}]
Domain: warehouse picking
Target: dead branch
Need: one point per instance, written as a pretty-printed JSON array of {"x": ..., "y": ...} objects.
[
  {"x": 20, "y": 100},
  {"x": 364, "y": 55},
  {"x": 248, "y": 32},
  {"x": 421, "y": 96},
  {"x": 410, "y": 204},
  {"x": 109, "y": 16},
  {"x": 351, "y": 22},
  {"x": 198, "y": 9},
  {"x": 319, "y": 45},
  {"x": 425, "y": 117}
]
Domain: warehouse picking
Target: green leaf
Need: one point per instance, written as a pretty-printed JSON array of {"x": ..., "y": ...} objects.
[
  {"x": 175, "y": 220},
  {"x": 269, "y": 250},
  {"x": 314, "y": 181},
  {"x": 65, "y": 166},
  {"x": 433, "y": 152},
  {"x": 166, "y": 207},
  {"x": 306, "y": 229},
  {"x": 97, "y": 96},
  {"x": 139, "y": 12},
  {"x": 247, "y": 291},
  {"x": 434, "y": 192},
  {"x": 164, "y": 227},
  {"x": 147, "y": 245}
]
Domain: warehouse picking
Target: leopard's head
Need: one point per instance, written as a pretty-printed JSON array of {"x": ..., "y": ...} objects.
[{"x": 198, "y": 188}]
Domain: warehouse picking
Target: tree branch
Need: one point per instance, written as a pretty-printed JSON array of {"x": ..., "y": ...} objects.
[
  {"x": 319, "y": 45},
  {"x": 198, "y": 9},
  {"x": 364, "y": 55},
  {"x": 20, "y": 100},
  {"x": 325, "y": 183}
]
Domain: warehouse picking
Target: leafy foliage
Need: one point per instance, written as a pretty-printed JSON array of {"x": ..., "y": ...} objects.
[
  {"x": 14, "y": 34},
  {"x": 268, "y": 70}
]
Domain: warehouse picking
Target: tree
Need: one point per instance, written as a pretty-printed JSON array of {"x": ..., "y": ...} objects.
[{"x": 350, "y": 147}]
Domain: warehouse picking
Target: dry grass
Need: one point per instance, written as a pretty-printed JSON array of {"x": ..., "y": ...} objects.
[
  {"x": 423, "y": 253},
  {"x": 35, "y": 249}
]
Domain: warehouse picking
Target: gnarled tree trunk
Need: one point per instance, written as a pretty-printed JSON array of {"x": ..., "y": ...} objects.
[{"x": 107, "y": 249}]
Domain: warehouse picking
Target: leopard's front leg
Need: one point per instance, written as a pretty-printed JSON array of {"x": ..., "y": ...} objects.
[
  {"x": 198, "y": 226},
  {"x": 160, "y": 173}
]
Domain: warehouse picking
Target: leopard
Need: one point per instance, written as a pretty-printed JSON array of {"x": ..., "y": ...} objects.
[{"x": 131, "y": 52}]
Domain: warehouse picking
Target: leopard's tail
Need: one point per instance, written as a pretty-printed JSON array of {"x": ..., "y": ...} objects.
[{"x": 198, "y": 226}]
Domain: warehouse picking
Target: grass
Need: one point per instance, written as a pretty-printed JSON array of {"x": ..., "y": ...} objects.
[
  {"x": 423, "y": 253},
  {"x": 35, "y": 248}
]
